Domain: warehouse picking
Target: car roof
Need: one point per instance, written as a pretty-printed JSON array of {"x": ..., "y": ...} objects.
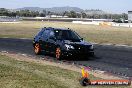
[{"x": 50, "y": 28}]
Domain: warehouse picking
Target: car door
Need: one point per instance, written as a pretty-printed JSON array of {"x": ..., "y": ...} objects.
[
  {"x": 44, "y": 40},
  {"x": 52, "y": 42}
]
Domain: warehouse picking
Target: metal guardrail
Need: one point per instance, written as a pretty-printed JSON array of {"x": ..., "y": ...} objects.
[{"x": 62, "y": 19}]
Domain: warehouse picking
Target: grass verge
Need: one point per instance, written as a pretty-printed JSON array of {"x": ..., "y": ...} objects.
[{"x": 24, "y": 74}]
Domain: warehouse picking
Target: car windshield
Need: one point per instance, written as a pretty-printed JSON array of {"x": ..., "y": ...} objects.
[{"x": 67, "y": 35}]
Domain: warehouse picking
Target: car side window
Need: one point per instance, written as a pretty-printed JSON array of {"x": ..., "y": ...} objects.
[
  {"x": 46, "y": 33},
  {"x": 51, "y": 34}
]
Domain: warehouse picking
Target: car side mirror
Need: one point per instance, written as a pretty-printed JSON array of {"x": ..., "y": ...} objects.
[{"x": 81, "y": 38}]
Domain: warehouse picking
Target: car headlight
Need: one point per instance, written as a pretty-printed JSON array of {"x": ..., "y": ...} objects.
[
  {"x": 68, "y": 47},
  {"x": 91, "y": 47}
]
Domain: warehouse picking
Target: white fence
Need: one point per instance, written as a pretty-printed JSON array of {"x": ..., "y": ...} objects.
[{"x": 105, "y": 23}]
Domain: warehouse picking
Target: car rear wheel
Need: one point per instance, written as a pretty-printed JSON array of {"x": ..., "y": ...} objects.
[
  {"x": 58, "y": 53},
  {"x": 37, "y": 49}
]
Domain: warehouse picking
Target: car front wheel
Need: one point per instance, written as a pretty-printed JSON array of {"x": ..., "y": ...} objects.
[{"x": 58, "y": 54}]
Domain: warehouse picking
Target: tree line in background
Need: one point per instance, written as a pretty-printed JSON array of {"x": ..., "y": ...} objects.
[{"x": 71, "y": 14}]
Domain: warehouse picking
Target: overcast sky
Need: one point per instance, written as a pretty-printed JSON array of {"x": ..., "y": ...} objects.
[{"x": 117, "y": 6}]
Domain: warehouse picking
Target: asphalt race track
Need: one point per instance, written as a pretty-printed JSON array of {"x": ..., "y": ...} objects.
[{"x": 114, "y": 59}]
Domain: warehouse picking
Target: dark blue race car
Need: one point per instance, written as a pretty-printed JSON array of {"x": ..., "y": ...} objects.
[{"x": 61, "y": 43}]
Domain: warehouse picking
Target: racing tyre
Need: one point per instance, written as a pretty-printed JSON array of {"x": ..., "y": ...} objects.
[
  {"x": 58, "y": 54},
  {"x": 37, "y": 49}
]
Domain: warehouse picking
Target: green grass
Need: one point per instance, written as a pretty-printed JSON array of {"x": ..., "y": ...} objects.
[
  {"x": 20, "y": 74},
  {"x": 23, "y": 74},
  {"x": 92, "y": 33}
]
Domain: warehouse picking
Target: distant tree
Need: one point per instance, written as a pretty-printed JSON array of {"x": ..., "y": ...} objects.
[
  {"x": 44, "y": 12},
  {"x": 65, "y": 13},
  {"x": 72, "y": 14},
  {"x": 125, "y": 16},
  {"x": 49, "y": 13},
  {"x": 83, "y": 15},
  {"x": 17, "y": 13},
  {"x": 3, "y": 12},
  {"x": 78, "y": 15},
  {"x": 42, "y": 15},
  {"x": 12, "y": 14},
  {"x": 93, "y": 14}
]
